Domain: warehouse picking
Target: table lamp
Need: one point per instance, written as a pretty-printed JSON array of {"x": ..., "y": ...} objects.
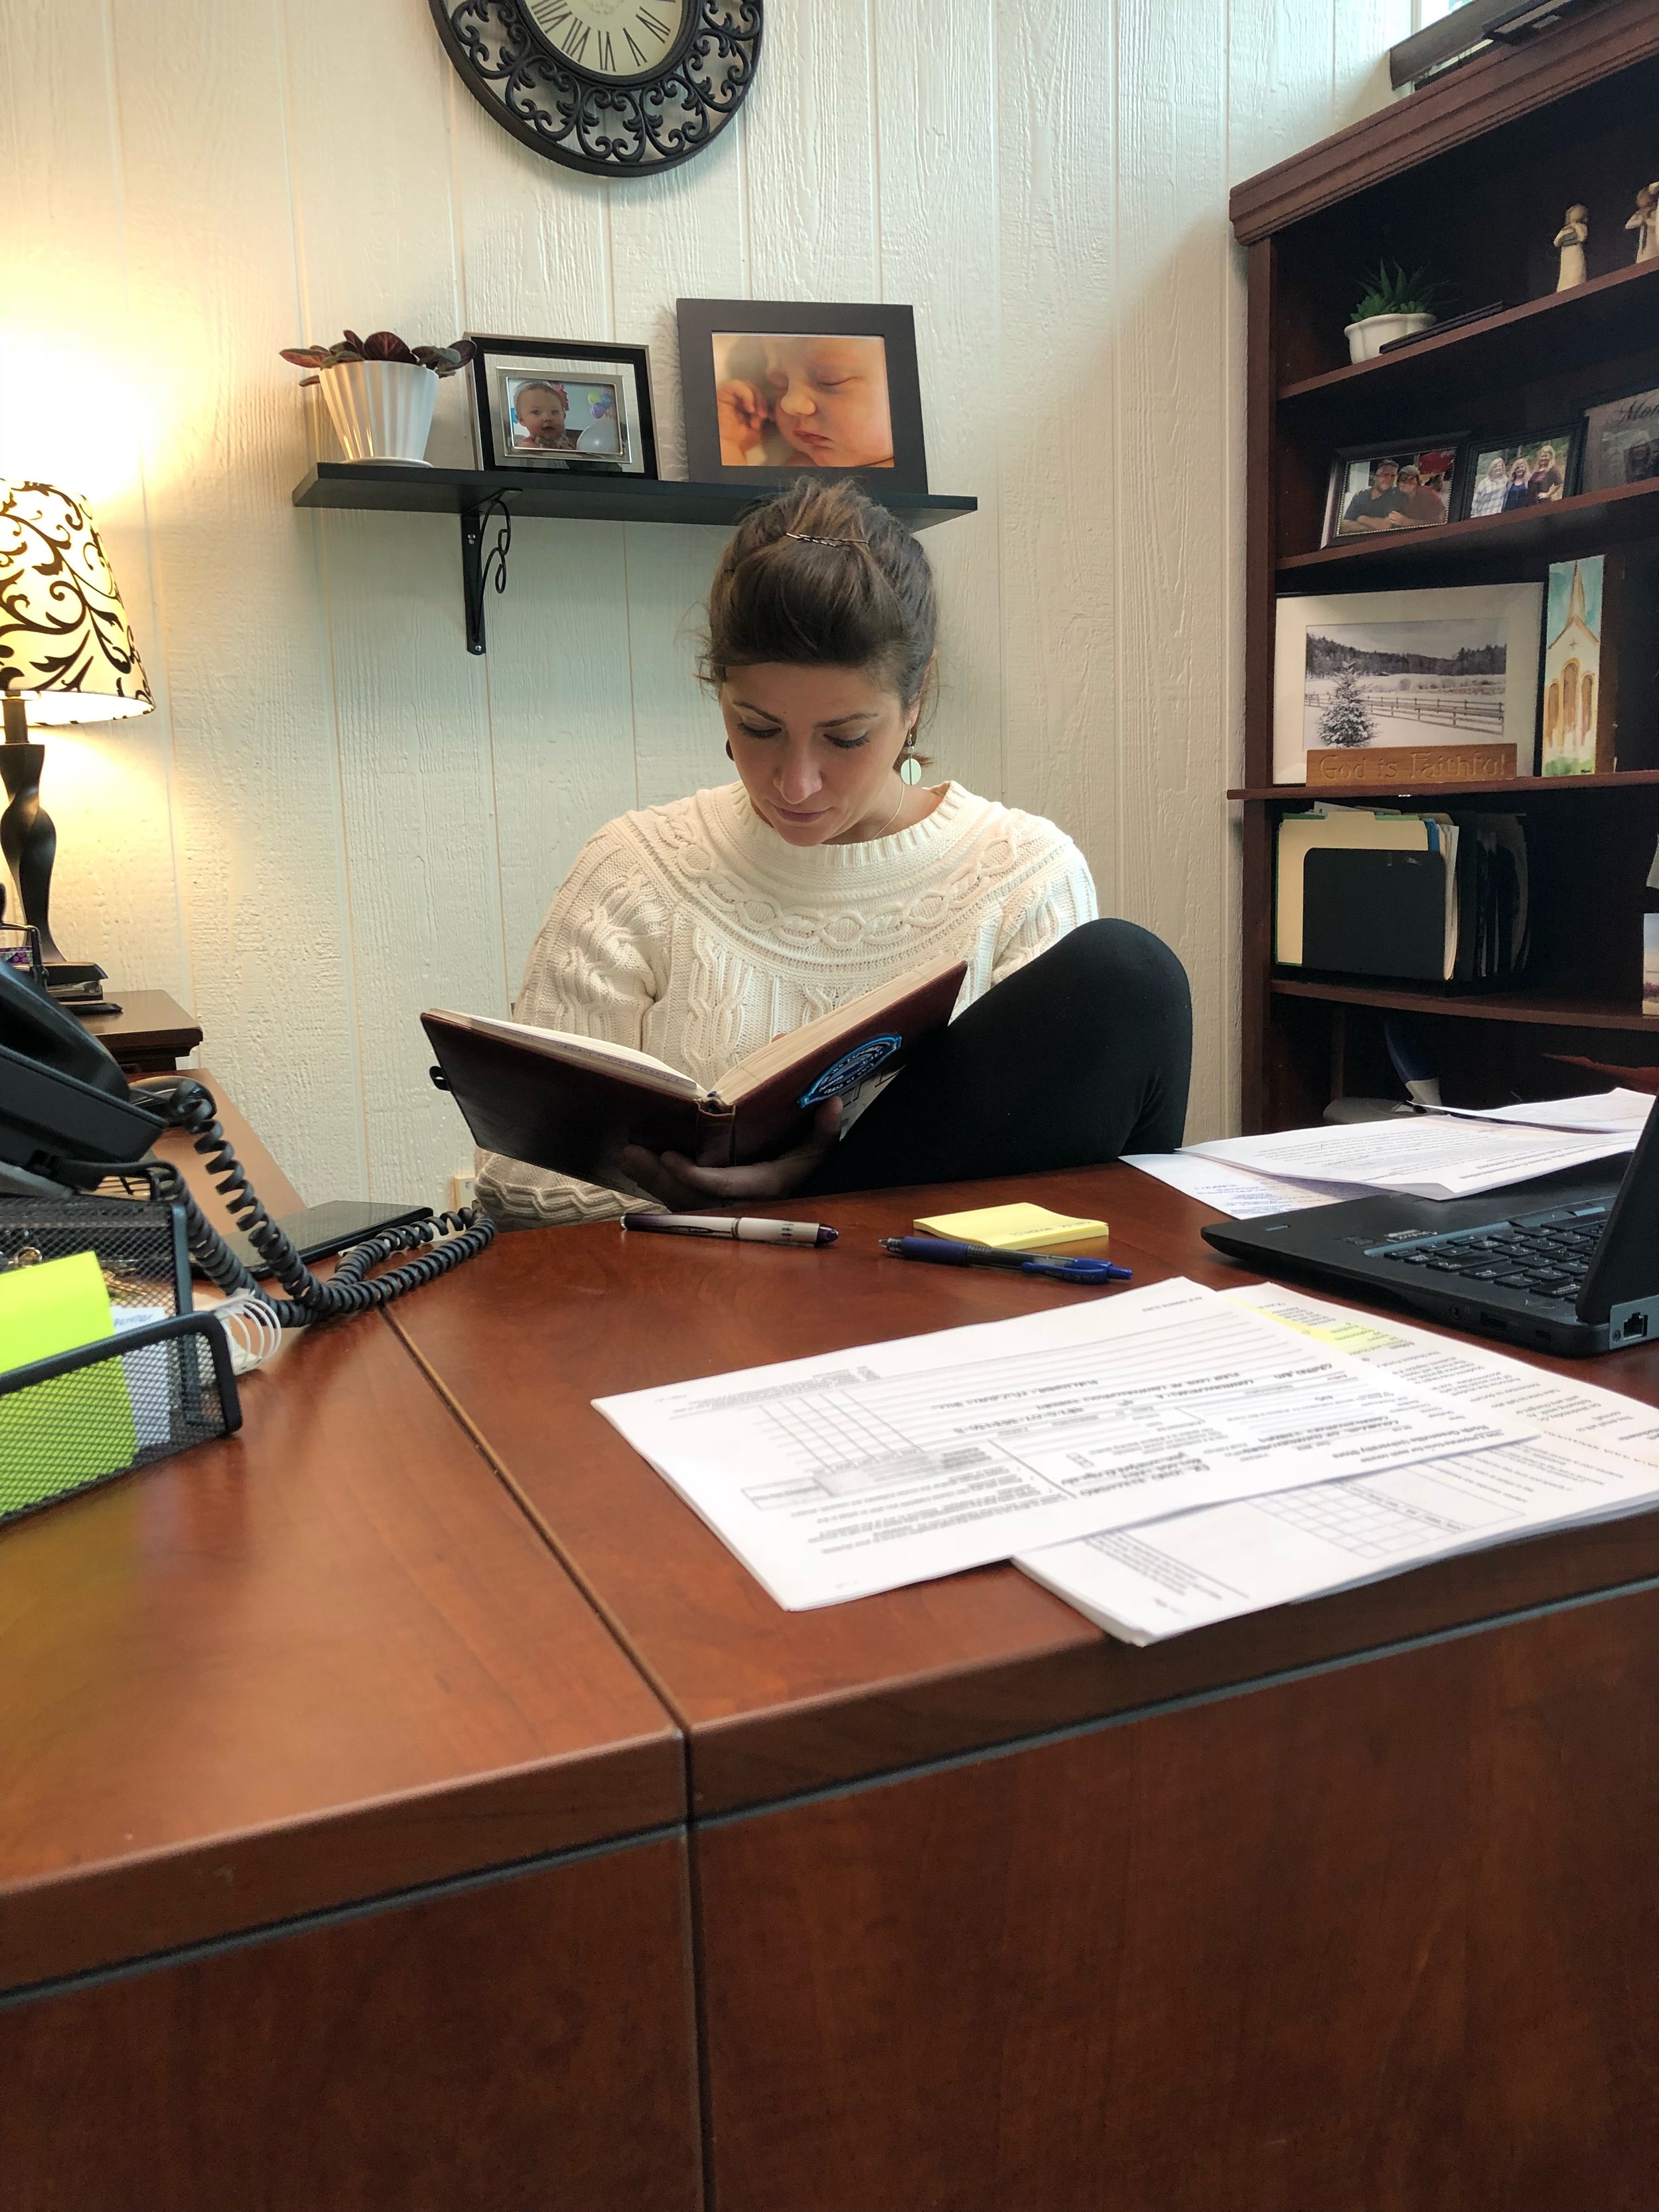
[{"x": 66, "y": 655}]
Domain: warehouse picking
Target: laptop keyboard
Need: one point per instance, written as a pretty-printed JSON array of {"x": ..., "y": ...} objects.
[{"x": 1547, "y": 1256}]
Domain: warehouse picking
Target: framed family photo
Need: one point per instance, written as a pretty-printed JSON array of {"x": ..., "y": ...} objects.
[
  {"x": 1375, "y": 490},
  {"x": 573, "y": 404},
  {"x": 1621, "y": 441},
  {"x": 1401, "y": 673},
  {"x": 1533, "y": 472},
  {"x": 772, "y": 388}
]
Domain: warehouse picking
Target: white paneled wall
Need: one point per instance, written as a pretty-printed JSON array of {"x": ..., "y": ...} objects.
[{"x": 337, "y": 817}]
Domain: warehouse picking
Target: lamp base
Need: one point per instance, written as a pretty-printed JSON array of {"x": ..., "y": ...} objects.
[{"x": 28, "y": 841}]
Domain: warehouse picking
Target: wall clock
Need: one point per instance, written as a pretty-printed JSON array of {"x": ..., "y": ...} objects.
[{"x": 616, "y": 88}]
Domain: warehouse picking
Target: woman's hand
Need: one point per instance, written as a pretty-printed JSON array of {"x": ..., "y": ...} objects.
[
  {"x": 744, "y": 415},
  {"x": 679, "y": 1184}
]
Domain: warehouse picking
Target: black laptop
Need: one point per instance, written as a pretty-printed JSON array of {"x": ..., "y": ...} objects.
[{"x": 1568, "y": 1264}]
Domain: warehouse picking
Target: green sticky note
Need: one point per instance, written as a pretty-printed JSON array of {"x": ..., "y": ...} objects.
[{"x": 57, "y": 1436}]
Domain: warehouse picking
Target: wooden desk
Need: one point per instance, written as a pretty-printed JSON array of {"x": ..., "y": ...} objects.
[
  {"x": 150, "y": 1035},
  {"x": 1339, "y": 1905},
  {"x": 342, "y": 1862}
]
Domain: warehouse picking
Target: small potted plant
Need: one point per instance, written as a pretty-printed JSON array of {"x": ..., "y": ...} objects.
[
  {"x": 379, "y": 391},
  {"x": 1393, "y": 305}
]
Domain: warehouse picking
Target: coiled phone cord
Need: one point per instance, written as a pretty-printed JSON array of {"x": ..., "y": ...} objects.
[{"x": 452, "y": 1238}]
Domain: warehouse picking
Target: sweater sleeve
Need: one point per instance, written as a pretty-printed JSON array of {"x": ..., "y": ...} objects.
[
  {"x": 591, "y": 972},
  {"x": 1054, "y": 901}
]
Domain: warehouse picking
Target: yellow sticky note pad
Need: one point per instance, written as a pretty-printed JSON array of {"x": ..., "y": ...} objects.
[
  {"x": 1015, "y": 1228},
  {"x": 61, "y": 1434}
]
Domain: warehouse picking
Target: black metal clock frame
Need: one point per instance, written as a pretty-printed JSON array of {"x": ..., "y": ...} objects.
[{"x": 605, "y": 126}]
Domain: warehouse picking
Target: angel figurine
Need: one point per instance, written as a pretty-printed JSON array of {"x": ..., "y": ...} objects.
[
  {"x": 1646, "y": 224},
  {"x": 1570, "y": 239}
]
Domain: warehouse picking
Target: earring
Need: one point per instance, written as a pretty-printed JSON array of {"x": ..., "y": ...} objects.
[{"x": 910, "y": 766}]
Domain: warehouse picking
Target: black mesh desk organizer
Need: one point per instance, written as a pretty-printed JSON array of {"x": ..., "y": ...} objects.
[{"x": 70, "y": 1423}]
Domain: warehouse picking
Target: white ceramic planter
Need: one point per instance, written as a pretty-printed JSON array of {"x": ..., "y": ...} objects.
[
  {"x": 1367, "y": 339},
  {"x": 382, "y": 409}
]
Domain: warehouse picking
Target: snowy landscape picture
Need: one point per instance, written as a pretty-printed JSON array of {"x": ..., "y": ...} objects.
[
  {"x": 1405, "y": 683},
  {"x": 1419, "y": 671}
]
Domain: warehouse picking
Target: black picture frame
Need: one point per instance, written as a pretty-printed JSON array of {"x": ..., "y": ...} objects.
[
  {"x": 1595, "y": 470},
  {"x": 1340, "y": 487},
  {"x": 1567, "y": 441},
  {"x": 499, "y": 361},
  {"x": 702, "y": 321}
]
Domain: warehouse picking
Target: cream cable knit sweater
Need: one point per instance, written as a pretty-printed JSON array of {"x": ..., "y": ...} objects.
[{"x": 693, "y": 932}]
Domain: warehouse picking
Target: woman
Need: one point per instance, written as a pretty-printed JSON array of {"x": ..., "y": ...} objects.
[
  {"x": 1518, "y": 493},
  {"x": 1548, "y": 480},
  {"x": 700, "y": 929},
  {"x": 1424, "y": 505},
  {"x": 1489, "y": 493}
]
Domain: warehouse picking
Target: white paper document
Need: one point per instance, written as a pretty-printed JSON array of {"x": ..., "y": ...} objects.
[
  {"x": 1425, "y": 1156},
  {"x": 1595, "y": 1456},
  {"x": 861, "y": 1471},
  {"x": 1601, "y": 1110},
  {"x": 1233, "y": 1191}
]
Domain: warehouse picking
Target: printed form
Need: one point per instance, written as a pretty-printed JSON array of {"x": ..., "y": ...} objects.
[
  {"x": 836, "y": 1477},
  {"x": 1595, "y": 1456},
  {"x": 1424, "y": 1155}
]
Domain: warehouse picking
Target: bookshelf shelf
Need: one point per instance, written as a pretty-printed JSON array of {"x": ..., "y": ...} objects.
[
  {"x": 1611, "y": 314},
  {"x": 1516, "y": 786},
  {"x": 1586, "y": 524},
  {"x": 1469, "y": 175},
  {"x": 1534, "y": 1008}
]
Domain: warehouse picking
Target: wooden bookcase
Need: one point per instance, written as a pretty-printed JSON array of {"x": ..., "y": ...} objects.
[{"x": 1471, "y": 176}]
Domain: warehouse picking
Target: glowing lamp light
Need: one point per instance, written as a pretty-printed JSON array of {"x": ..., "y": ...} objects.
[{"x": 67, "y": 654}]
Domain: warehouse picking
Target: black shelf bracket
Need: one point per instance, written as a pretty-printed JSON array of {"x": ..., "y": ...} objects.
[{"x": 479, "y": 569}]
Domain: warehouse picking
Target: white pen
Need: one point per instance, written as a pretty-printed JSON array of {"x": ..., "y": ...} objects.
[{"x": 744, "y": 1228}]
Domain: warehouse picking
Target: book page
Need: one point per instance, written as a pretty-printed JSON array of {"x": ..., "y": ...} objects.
[
  {"x": 589, "y": 1052},
  {"x": 863, "y": 1470},
  {"x": 1594, "y": 1456}
]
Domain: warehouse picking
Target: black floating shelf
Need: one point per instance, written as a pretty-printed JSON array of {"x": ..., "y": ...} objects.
[
  {"x": 480, "y": 496},
  {"x": 394, "y": 488}
]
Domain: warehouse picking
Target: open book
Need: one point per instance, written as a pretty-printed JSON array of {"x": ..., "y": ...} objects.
[{"x": 571, "y": 1103}]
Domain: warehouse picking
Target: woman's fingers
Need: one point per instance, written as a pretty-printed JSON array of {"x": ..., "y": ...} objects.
[{"x": 773, "y": 1178}]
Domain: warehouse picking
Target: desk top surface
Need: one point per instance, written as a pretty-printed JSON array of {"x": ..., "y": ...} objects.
[
  {"x": 326, "y": 1659},
  {"x": 147, "y": 1017},
  {"x": 776, "y": 1703}
]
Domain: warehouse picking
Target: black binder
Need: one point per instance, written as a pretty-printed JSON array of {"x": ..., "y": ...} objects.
[{"x": 1375, "y": 913}]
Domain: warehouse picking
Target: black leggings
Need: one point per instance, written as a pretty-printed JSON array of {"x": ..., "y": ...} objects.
[{"x": 1082, "y": 1054}]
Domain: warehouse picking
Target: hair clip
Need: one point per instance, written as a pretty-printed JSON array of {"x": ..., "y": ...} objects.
[{"x": 804, "y": 537}]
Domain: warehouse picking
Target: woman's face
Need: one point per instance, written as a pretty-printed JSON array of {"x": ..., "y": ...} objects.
[
  {"x": 815, "y": 748},
  {"x": 1546, "y": 457},
  {"x": 1519, "y": 473},
  {"x": 1497, "y": 472},
  {"x": 828, "y": 398}
]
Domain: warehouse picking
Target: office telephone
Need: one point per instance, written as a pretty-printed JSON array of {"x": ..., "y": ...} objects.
[{"x": 70, "y": 1119}]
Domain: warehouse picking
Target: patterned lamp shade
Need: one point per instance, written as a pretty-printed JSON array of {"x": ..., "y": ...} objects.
[{"x": 66, "y": 647}]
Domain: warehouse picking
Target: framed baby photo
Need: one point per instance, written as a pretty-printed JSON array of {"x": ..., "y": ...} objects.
[
  {"x": 572, "y": 404},
  {"x": 1535, "y": 471},
  {"x": 776, "y": 388},
  {"x": 1621, "y": 441},
  {"x": 1376, "y": 490}
]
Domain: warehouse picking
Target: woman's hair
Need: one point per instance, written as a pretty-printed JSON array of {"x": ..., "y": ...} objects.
[{"x": 823, "y": 577}]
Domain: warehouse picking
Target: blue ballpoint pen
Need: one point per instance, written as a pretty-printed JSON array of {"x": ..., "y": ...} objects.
[{"x": 1087, "y": 1272}]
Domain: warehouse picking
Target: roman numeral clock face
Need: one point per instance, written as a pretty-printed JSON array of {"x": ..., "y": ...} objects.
[
  {"x": 612, "y": 38},
  {"x": 616, "y": 88}
]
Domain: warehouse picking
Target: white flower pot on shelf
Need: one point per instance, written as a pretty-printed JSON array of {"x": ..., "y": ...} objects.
[
  {"x": 1367, "y": 339},
  {"x": 381, "y": 409}
]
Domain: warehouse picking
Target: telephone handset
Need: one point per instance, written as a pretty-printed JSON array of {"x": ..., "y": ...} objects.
[{"x": 69, "y": 1118}]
